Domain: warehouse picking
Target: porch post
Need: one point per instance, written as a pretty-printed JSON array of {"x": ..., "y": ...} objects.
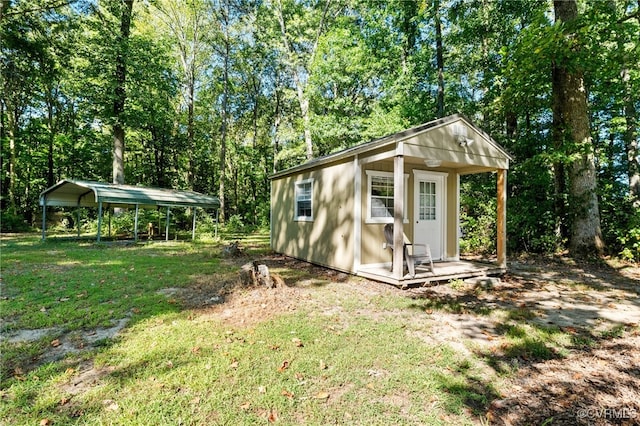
[
  {"x": 501, "y": 246},
  {"x": 398, "y": 214}
]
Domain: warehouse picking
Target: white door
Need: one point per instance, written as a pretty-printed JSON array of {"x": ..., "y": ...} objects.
[{"x": 429, "y": 220}]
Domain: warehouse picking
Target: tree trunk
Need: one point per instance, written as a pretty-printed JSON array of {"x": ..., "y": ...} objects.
[
  {"x": 439, "y": 59},
  {"x": 12, "y": 131},
  {"x": 301, "y": 69},
  {"x": 120, "y": 93},
  {"x": 631, "y": 139},
  {"x": 224, "y": 114},
  {"x": 585, "y": 236},
  {"x": 559, "y": 172}
]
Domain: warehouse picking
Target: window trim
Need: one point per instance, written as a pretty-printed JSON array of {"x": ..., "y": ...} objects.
[
  {"x": 378, "y": 173},
  {"x": 298, "y": 184}
]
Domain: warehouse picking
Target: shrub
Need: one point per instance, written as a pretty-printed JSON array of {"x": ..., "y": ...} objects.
[{"x": 12, "y": 222}]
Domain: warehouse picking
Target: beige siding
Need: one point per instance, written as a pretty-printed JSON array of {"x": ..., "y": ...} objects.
[
  {"x": 441, "y": 143},
  {"x": 372, "y": 233},
  {"x": 328, "y": 239}
]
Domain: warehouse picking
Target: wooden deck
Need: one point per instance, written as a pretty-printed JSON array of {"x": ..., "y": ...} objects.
[{"x": 442, "y": 271}]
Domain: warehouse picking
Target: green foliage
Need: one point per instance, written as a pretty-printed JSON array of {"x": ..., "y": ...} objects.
[
  {"x": 366, "y": 68},
  {"x": 478, "y": 217},
  {"x": 12, "y": 222}
]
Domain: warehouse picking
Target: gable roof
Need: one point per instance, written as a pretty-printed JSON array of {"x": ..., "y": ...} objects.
[
  {"x": 74, "y": 193},
  {"x": 389, "y": 140}
]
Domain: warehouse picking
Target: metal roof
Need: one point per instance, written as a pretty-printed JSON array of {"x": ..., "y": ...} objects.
[{"x": 79, "y": 193}]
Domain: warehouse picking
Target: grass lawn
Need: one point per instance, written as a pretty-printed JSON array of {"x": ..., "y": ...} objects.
[{"x": 192, "y": 347}]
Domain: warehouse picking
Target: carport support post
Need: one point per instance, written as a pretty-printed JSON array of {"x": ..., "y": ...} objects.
[
  {"x": 135, "y": 224},
  {"x": 166, "y": 236},
  {"x": 193, "y": 229},
  {"x": 502, "y": 219},
  {"x": 78, "y": 220},
  {"x": 398, "y": 215},
  {"x": 99, "y": 219}
]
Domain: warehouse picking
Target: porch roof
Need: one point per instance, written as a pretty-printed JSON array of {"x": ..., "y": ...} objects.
[{"x": 391, "y": 140}]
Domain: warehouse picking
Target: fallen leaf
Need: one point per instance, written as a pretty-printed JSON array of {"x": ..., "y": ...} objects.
[
  {"x": 297, "y": 342},
  {"x": 262, "y": 389},
  {"x": 169, "y": 364},
  {"x": 274, "y": 347},
  {"x": 196, "y": 400},
  {"x": 110, "y": 405},
  {"x": 46, "y": 422},
  {"x": 135, "y": 310},
  {"x": 234, "y": 364},
  {"x": 323, "y": 366},
  {"x": 273, "y": 416},
  {"x": 299, "y": 376},
  {"x": 64, "y": 400},
  {"x": 283, "y": 366},
  {"x": 287, "y": 394},
  {"x": 321, "y": 395},
  {"x": 43, "y": 309},
  {"x": 245, "y": 406},
  {"x": 195, "y": 349},
  {"x": 55, "y": 343}
]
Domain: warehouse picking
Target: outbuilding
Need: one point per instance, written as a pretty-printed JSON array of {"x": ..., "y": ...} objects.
[
  {"x": 105, "y": 196},
  {"x": 332, "y": 210}
]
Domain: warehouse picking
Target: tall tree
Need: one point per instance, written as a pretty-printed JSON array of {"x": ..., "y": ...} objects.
[
  {"x": 189, "y": 24},
  {"x": 571, "y": 124},
  {"x": 301, "y": 27},
  {"x": 120, "y": 94},
  {"x": 439, "y": 58}
]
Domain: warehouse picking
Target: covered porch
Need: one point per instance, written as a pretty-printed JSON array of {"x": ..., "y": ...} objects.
[{"x": 422, "y": 168}]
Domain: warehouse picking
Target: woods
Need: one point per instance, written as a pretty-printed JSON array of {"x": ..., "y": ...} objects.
[{"x": 215, "y": 95}]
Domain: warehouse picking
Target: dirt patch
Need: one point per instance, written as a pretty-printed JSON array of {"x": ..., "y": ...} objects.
[
  {"x": 598, "y": 386},
  {"x": 596, "y": 381}
]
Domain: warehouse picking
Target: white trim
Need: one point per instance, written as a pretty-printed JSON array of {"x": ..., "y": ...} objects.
[
  {"x": 373, "y": 220},
  {"x": 422, "y": 173},
  {"x": 378, "y": 157},
  {"x": 295, "y": 201},
  {"x": 357, "y": 213}
]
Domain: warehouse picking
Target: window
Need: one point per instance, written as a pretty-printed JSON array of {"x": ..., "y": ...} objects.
[
  {"x": 427, "y": 206},
  {"x": 304, "y": 200},
  {"x": 380, "y": 196}
]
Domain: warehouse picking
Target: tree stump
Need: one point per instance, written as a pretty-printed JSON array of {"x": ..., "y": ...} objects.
[{"x": 253, "y": 273}]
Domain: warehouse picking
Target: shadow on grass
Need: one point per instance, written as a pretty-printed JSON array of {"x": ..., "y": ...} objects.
[{"x": 559, "y": 361}]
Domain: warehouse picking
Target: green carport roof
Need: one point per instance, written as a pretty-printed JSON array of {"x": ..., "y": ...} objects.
[{"x": 74, "y": 193}]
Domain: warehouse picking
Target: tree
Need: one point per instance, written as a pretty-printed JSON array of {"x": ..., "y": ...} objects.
[
  {"x": 120, "y": 93},
  {"x": 572, "y": 132},
  {"x": 301, "y": 27}
]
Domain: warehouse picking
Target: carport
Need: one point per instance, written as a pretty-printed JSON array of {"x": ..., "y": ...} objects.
[{"x": 79, "y": 193}]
